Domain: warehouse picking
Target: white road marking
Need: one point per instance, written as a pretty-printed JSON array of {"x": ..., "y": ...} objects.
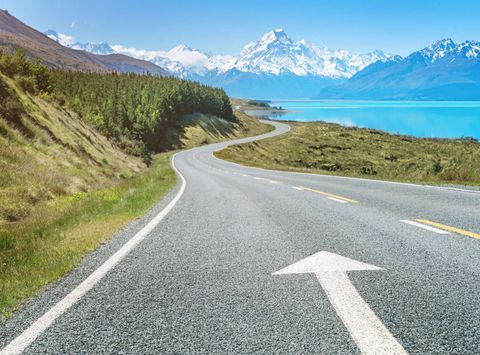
[
  {"x": 420, "y": 225},
  {"x": 337, "y": 200},
  {"x": 21, "y": 342},
  {"x": 273, "y": 181},
  {"x": 297, "y": 188},
  {"x": 368, "y": 332},
  {"x": 268, "y": 180}
]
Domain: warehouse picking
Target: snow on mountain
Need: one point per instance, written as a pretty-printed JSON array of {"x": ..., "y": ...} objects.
[
  {"x": 181, "y": 60},
  {"x": 446, "y": 48},
  {"x": 443, "y": 70},
  {"x": 437, "y": 50},
  {"x": 191, "y": 59},
  {"x": 470, "y": 49},
  {"x": 69, "y": 41},
  {"x": 61, "y": 38},
  {"x": 274, "y": 54},
  {"x": 221, "y": 63},
  {"x": 92, "y": 47},
  {"x": 273, "y": 65}
]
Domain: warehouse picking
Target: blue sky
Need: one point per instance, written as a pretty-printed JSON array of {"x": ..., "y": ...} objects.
[{"x": 224, "y": 27}]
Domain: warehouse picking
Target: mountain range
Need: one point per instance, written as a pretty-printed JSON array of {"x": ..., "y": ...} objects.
[
  {"x": 274, "y": 66},
  {"x": 442, "y": 71}
]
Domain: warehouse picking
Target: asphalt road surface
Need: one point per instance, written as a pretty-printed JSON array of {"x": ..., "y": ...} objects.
[{"x": 245, "y": 260}]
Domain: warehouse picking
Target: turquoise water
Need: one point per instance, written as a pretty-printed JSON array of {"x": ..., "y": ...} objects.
[{"x": 442, "y": 119}]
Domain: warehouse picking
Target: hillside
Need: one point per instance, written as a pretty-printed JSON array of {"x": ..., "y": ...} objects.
[
  {"x": 15, "y": 34},
  {"x": 47, "y": 151},
  {"x": 328, "y": 148}
]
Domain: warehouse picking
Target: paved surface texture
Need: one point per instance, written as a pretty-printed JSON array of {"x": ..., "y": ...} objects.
[{"x": 201, "y": 281}]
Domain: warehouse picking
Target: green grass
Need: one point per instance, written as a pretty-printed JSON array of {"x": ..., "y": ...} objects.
[
  {"x": 336, "y": 150},
  {"x": 58, "y": 234}
]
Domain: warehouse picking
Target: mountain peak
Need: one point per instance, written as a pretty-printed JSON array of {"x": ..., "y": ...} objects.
[
  {"x": 181, "y": 48},
  {"x": 275, "y": 35},
  {"x": 438, "y": 50},
  {"x": 446, "y": 43}
]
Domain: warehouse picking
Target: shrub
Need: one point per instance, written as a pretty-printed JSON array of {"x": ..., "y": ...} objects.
[
  {"x": 11, "y": 109},
  {"x": 27, "y": 83}
]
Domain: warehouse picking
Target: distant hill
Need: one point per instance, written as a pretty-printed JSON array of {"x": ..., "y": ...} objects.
[
  {"x": 15, "y": 34},
  {"x": 442, "y": 71}
]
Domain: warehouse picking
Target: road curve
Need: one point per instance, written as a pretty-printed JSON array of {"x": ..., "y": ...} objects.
[{"x": 202, "y": 279}]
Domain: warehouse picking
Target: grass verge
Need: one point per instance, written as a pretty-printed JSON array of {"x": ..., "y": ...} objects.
[
  {"x": 326, "y": 148},
  {"x": 60, "y": 232}
]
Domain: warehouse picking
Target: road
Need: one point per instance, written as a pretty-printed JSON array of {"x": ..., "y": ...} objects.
[{"x": 255, "y": 261}]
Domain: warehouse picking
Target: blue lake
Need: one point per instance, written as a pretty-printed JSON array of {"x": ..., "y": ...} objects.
[{"x": 443, "y": 119}]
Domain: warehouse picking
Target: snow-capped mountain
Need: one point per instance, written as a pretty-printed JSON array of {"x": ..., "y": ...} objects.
[
  {"x": 437, "y": 50},
  {"x": 447, "y": 49},
  {"x": 298, "y": 66},
  {"x": 69, "y": 41},
  {"x": 442, "y": 71},
  {"x": 182, "y": 61},
  {"x": 278, "y": 67},
  {"x": 276, "y": 53}
]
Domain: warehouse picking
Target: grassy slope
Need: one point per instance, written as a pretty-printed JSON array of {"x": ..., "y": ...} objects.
[
  {"x": 64, "y": 189},
  {"x": 332, "y": 149},
  {"x": 50, "y": 152},
  {"x": 199, "y": 129}
]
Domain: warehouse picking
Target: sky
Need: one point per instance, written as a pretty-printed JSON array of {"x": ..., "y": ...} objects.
[{"x": 224, "y": 27}]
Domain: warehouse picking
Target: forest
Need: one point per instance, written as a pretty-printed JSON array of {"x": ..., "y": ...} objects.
[{"x": 132, "y": 110}]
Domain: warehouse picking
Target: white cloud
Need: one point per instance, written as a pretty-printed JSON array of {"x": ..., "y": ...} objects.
[
  {"x": 137, "y": 53},
  {"x": 61, "y": 38},
  {"x": 73, "y": 23}
]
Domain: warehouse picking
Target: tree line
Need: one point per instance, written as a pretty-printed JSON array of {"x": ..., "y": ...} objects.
[{"x": 132, "y": 110}]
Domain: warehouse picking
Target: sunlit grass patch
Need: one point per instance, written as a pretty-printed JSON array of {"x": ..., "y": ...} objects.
[{"x": 327, "y": 148}]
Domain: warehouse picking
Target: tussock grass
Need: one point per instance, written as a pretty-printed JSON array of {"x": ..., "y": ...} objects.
[{"x": 327, "y": 148}]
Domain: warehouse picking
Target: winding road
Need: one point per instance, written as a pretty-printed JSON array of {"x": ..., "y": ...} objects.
[{"x": 246, "y": 260}]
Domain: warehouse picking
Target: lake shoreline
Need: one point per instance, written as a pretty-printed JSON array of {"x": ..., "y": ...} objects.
[{"x": 422, "y": 119}]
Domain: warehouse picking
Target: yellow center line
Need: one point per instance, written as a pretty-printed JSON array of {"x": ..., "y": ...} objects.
[
  {"x": 330, "y": 195},
  {"x": 448, "y": 228}
]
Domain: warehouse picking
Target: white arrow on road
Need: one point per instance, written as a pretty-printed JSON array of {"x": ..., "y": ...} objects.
[{"x": 368, "y": 332}]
